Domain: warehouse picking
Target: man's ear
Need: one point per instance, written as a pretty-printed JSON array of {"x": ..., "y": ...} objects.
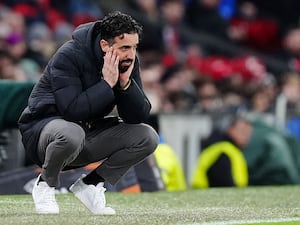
[{"x": 104, "y": 45}]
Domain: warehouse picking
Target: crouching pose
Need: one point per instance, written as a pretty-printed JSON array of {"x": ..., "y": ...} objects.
[{"x": 67, "y": 122}]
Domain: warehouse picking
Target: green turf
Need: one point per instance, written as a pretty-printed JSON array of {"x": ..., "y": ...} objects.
[
  {"x": 192, "y": 207},
  {"x": 275, "y": 223}
]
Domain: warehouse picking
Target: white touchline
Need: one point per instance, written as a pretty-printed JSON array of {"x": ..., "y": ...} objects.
[{"x": 237, "y": 222}]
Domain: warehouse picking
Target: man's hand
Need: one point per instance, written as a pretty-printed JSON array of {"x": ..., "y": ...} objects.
[
  {"x": 110, "y": 70},
  {"x": 124, "y": 78}
]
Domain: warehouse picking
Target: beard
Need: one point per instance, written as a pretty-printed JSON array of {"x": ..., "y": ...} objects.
[{"x": 124, "y": 68}]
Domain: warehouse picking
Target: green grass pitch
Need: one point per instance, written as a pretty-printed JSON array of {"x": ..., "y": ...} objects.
[{"x": 215, "y": 206}]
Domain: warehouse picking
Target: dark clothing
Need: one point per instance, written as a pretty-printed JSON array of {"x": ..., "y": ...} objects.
[
  {"x": 72, "y": 88},
  {"x": 205, "y": 19},
  {"x": 117, "y": 145},
  {"x": 222, "y": 165},
  {"x": 221, "y": 162},
  {"x": 216, "y": 177}
]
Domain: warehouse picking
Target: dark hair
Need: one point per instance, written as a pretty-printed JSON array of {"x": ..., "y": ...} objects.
[{"x": 115, "y": 24}]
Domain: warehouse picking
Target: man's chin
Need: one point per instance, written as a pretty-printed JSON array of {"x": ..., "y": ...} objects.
[{"x": 123, "y": 69}]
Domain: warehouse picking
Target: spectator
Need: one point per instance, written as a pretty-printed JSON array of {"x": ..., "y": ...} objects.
[
  {"x": 249, "y": 28},
  {"x": 148, "y": 14},
  {"x": 269, "y": 153},
  {"x": 221, "y": 162},
  {"x": 290, "y": 88},
  {"x": 209, "y": 99},
  {"x": 286, "y": 12},
  {"x": 203, "y": 16},
  {"x": 171, "y": 170},
  {"x": 9, "y": 69},
  {"x": 177, "y": 85},
  {"x": 270, "y": 156},
  {"x": 290, "y": 51},
  {"x": 262, "y": 96},
  {"x": 40, "y": 43},
  {"x": 83, "y": 11},
  {"x": 174, "y": 40},
  {"x": 16, "y": 45},
  {"x": 151, "y": 73}
]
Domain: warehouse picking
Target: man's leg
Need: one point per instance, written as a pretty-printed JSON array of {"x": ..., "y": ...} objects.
[
  {"x": 121, "y": 147},
  {"x": 60, "y": 142}
]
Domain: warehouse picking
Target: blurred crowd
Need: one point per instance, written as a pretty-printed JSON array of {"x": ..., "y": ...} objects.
[{"x": 198, "y": 56}]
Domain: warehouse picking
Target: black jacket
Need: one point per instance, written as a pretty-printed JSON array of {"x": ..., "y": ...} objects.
[{"x": 71, "y": 88}]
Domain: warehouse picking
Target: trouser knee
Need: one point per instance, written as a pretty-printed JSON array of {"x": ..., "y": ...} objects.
[
  {"x": 60, "y": 143},
  {"x": 150, "y": 139},
  {"x": 71, "y": 142}
]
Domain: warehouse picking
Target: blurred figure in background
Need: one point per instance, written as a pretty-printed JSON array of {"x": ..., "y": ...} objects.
[
  {"x": 251, "y": 29},
  {"x": 9, "y": 69},
  {"x": 177, "y": 84},
  {"x": 174, "y": 40},
  {"x": 221, "y": 162},
  {"x": 203, "y": 16},
  {"x": 247, "y": 152},
  {"x": 151, "y": 73},
  {"x": 290, "y": 89},
  {"x": 290, "y": 51},
  {"x": 208, "y": 96},
  {"x": 261, "y": 98},
  {"x": 170, "y": 167},
  {"x": 147, "y": 12},
  {"x": 290, "y": 94}
]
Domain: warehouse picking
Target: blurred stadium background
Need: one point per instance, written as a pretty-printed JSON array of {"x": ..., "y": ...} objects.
[{"x": 203, "y": 62}]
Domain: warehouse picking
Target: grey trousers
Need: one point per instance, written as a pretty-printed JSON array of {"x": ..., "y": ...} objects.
[{"x": 119, "y": 146}]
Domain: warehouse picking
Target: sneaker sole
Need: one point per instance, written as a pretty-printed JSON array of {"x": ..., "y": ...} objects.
[
  {"x": 46, "y": 212},
  {"x": 107, "y": 211}
]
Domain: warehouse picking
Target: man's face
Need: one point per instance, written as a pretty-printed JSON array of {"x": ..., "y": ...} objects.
[
  {"x": 125, "y": 46},
  {"x": 241, "y": 132}
]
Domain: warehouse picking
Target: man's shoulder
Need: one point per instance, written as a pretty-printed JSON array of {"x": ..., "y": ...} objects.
[
  {"x": 70, "y": 50},
  {"x": 83, "y": 33}
]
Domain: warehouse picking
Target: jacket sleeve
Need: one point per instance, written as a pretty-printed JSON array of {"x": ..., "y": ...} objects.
[
  {"x": 132, "y": 104},
  {"x": 73, "y": 102}
]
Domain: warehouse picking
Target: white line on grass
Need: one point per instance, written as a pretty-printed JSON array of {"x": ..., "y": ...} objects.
[{"x": 236, "y": 222}]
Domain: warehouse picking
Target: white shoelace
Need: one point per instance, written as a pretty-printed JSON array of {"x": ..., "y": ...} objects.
[
  {"x": 99, "y": 195},
  {"x": 49, "y": 196}
]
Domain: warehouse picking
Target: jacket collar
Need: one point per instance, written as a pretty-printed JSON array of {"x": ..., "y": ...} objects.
[{"x": 97, "y": 49}]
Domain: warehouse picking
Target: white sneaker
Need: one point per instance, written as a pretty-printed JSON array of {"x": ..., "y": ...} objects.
[
  {"x": 92, "y": 197},
  {"x": 44, "y": 198}
]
